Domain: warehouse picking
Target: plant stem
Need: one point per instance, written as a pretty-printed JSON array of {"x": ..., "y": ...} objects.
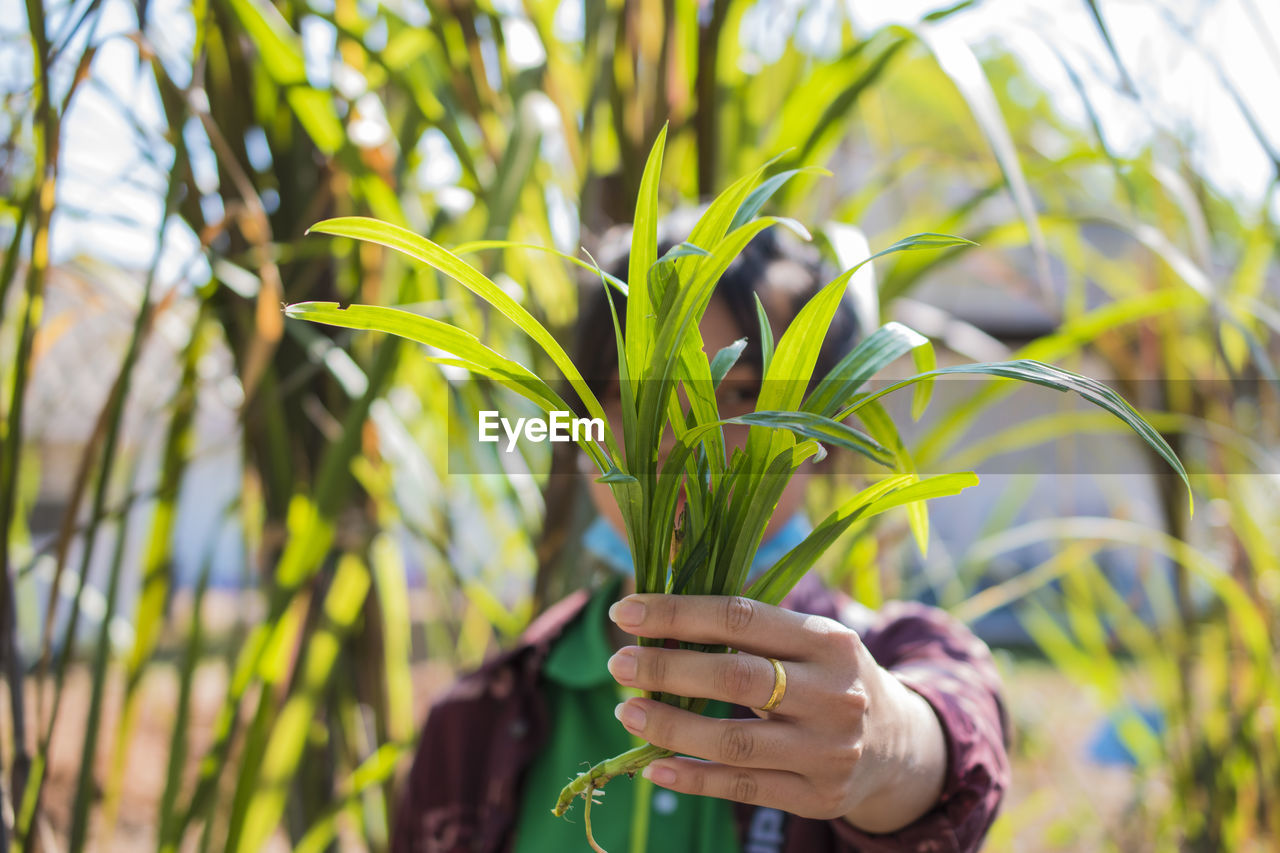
[{"x": 630, "y": 762}]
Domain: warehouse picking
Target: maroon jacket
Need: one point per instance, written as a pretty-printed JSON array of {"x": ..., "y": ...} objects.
[{"x": 463, "y": 791}]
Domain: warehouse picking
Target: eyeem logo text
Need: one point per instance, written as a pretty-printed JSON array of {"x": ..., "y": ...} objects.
[{"x": 561, "y": 426}]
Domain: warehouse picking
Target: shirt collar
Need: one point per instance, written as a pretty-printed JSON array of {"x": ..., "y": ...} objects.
[
  {"x": 580, "y": 656},
  {"x": 603, "y": 541}
]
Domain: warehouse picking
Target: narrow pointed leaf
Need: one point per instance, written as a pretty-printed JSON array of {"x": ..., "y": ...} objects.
[
  {"x": 482, "y": 245},
  {"x": 957, "y": 61},
  {"x": 872, "y": 354},
  {"x": 819, "y": 428},
  {"x": 644, "y": 252},
  {"x": 761, "y": 194},
  {"x": 1058, "y": 379},
  {"x": 424, "y": 250},
  {"x": 725, "y": 359},
  {"x": 766, "y": 336},
  {"x": 773, "y": 585},
  {"x": 683, "y": 250}
]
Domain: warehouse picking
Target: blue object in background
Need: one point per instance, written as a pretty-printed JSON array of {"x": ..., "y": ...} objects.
[{"x": 1107, "y": 747}]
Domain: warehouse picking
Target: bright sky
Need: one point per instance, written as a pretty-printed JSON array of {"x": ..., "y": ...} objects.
[
  {"x": 108, "y": 179},
  {"x": 1173, "y": 79}
]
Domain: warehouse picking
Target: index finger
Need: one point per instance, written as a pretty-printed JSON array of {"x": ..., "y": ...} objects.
[{"x": 730, "y": 620}]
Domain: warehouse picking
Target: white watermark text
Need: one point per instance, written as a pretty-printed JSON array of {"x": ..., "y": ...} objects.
[{"x": 560, "y": 426}]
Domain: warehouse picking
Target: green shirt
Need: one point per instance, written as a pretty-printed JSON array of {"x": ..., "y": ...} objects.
[{"x": 581, "y": 695}]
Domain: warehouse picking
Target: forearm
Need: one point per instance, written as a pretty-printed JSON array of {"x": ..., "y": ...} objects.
[
  {"x": 939, "y": 661},
  {"x": 919, "y": 760}
]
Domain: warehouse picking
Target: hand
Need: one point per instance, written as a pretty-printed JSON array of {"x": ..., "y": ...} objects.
[{"x": 847, "y": 740}]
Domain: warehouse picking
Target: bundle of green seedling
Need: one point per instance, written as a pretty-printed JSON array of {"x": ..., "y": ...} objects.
[{"x": 729, "y": 497}]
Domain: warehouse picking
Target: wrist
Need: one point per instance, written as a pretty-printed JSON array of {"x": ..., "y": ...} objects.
[{"x": 913, "y": 761}]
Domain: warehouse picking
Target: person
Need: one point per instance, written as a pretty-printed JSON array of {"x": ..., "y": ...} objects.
[{"x": 887, "y": 734}]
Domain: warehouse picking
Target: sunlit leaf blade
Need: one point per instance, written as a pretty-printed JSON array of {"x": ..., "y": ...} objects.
[
  {"x": 430, "y": 332},
  {"x": 818, "y": 428},
  {"x": 281, "y": 51},
  {"x": 873, "y": 353},
  {"x": 424, "y": 250},
  {"x": 919, "y": 243},
  {"x": 1058, "y": 379},
  {"x": 958, "y": 62},
  {"x": 746, "y": 528},
  {"x": 1078, "y": 332},
  {"x": 925, "y": 360},
  {"x": 725, "y": 359},
  {"x": 928, "y": 488},
  {"x": 772, "y": 586},
  {"x": 690, "y": 301},
  {"x": 850, "y": 246},
  {"x": 682, "y": 250},
  {"x": 925, "y": 240},
  {"x": 644, "y": 252},
  {"x": 720, "y": 217},
  {"x": 881, "y": 427},
  {"x": 483, "y": 245},
  {"x": 766, "y": 336},
  {"x": 288, "y": 735},
  {"x": 761, "y": 194}
]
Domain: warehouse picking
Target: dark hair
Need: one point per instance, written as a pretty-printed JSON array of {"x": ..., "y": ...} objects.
[{"x": 782, "y": 272}]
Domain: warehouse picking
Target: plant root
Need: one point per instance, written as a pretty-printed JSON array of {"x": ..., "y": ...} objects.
[{"x": 586, "y": 819}]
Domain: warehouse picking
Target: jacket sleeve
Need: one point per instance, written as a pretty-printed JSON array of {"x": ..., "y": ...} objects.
[{"x": 939, "y": 658}]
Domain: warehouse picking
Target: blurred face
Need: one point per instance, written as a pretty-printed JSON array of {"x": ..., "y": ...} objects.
[{"x": 735, "y": 396}]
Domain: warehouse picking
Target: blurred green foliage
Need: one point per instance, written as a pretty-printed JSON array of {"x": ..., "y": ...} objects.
[{"x": 466, "y": 122}]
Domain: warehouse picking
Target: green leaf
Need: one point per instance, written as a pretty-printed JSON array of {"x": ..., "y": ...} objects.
[
  {"x": 473, "y": 355},
  {"x": 683, "y": 250},
  {"x": 483, "y": 245},
  {"x": 424, "y": 250},
  {"x": 882, "y": 428},
  {"x": 766, "y": 336},
  {"x": 281, "y": 51},
  {"x": 818, "y": 428},
  {"x": 1074, "y": 334},
  {"x": 644, "y": 252},
  {"x": 681, "y": 320},
  {"x": 427, "y": 331},
  {"x": 288, "y": 736},
  {"x": 1058, "y": 379},
  {"x": 872, "y": 354},
  {"x": 925, "y": 241},
  {"x": 751, "y": 509},
  {"x": 774, "y": 584},
  {"x": 761, "y": 194},
  {"x": 925, "y": 360},
  {"x": 958, "y": 62},
  {"x": 725, "y": 359},
  {"x": 941, "y": 486}
]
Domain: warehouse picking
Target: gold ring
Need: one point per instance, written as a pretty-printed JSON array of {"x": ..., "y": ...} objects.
[{"x": 779, "y": 685}]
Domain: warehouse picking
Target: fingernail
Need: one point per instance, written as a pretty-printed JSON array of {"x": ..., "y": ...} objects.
[
  {"x": 627, "y": 612},
  {"x": 623, "y": 665},
  {"x": 631, "y": 716},
  {"x": 659, "y": 774}
]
